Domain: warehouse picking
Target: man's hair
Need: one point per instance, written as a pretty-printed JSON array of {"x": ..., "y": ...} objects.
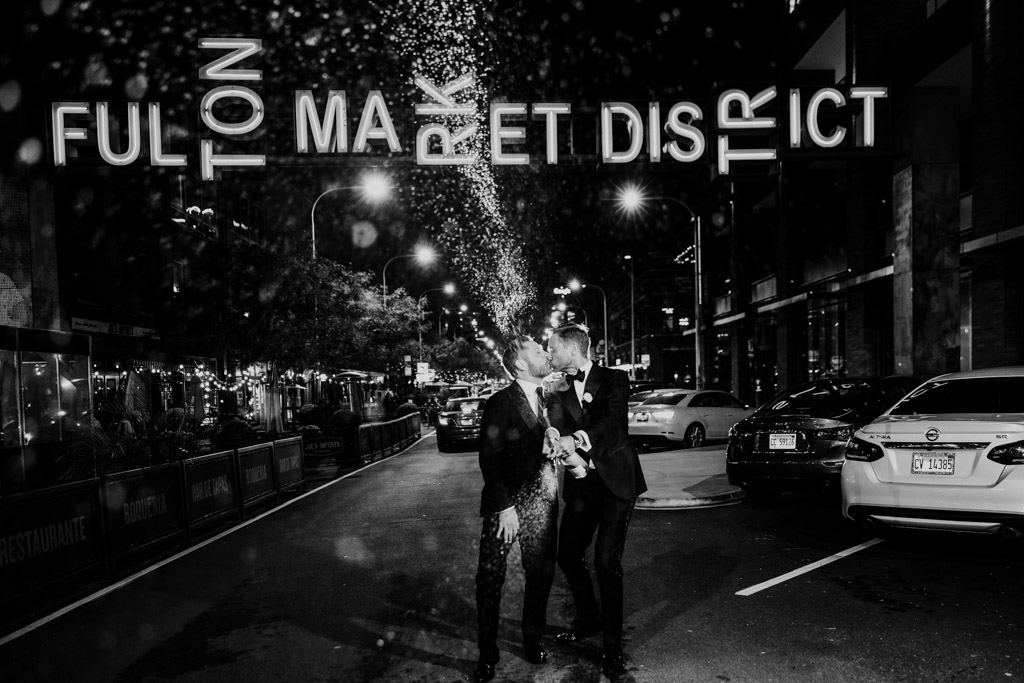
[
  {"x": 511, "y": 354},
  {"x": 574, "y": 334}
]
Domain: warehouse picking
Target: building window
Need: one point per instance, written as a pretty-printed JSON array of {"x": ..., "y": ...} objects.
[
  {"x": 248, "y": 220},
  {"x": 826, "y": 341},
  {"x": 177, "y": 277},
  {"x": 668, "y": 320}
]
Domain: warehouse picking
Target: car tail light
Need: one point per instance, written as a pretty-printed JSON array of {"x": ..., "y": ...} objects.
[
  {"x": 1008, "y": 453},
  {"x": 863, "y": 451},
  {"x": 834, "y": 434},
  {"x": 663, "y": 414}
]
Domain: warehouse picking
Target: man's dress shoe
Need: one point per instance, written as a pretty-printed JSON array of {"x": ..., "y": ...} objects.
[
  {"x": 581, "y": 628},
  {"x": 534, "y": 653},
  {"x": 614, "y": 663},
  {"x": 484, "y": 672}
]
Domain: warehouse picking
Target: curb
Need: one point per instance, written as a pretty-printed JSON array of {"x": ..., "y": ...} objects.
[{"x": 734, "y": 495}]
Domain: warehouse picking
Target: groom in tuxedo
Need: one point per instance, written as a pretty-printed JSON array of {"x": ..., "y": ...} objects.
[
  {"x": 591, "y": 415},
  {"x": 520, "y": 500}
]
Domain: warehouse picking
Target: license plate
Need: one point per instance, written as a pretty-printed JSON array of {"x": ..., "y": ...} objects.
[
  {"x": 642, "y": 417},
  {"x": 781, "y": 442},
  {"x": 928, "y": 462}
]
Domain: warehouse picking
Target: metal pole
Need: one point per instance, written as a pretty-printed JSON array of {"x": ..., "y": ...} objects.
[
  {"x": 698, "y": 342},
  {"x": 606, "y": 351},
  {"x": 604, "y": 299},
  {"x": 632, "y": 321},
  {"x": 312, "y": 214}
]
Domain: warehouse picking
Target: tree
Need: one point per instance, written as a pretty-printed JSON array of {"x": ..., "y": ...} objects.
[{"x": 461, "y": 359}]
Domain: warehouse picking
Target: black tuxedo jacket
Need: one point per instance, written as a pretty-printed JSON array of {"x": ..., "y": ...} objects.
[
  {"x": 511, "y": 448},
  {"x": 605, "y": 420}
]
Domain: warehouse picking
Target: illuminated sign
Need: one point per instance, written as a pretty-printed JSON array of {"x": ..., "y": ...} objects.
[{"x": 745, "y": 127}]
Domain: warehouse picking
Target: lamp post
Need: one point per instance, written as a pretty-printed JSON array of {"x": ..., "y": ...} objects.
[
  {"x": 574, "y": 285},
  {"x": 374, "y": 187},
  {"x": 423, "y": 254},
  {"x": 632, "y": 321},
  {"x": 448, "y": 289},
  {"x": 631, "y": 198}
]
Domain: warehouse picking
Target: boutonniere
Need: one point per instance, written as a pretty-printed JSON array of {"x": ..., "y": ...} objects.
[{"x": 587, "y": 398}]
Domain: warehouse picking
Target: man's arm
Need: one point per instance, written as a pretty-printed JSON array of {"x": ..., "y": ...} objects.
[{"x": 493, "y": 451}]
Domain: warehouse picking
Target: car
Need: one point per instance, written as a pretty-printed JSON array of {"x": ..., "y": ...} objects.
[
  {"x": 638, "y": 385},
  {"x": 459, "y": 421},
  {"x": 639, "y": 397},
  {"x": 949, "y": 456},
  {"x": 797, "y": 439},
  {"x": 686, "y": 416}
]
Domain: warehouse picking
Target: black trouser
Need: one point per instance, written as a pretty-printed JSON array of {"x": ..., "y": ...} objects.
[
  {"x": 595, "y": 508},
  {"x": 538, "y": 536}
]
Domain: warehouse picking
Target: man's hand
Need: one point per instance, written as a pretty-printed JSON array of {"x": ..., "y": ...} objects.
[
  {"x": 574, "y": 460},
  {"x": 568, "y": 444},
  {"x": 508, "y": 525},
  {"x": 552, "y": 446}
]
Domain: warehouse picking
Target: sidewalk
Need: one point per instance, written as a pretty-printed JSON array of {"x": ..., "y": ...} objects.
[{"x": 687, "y": 478}]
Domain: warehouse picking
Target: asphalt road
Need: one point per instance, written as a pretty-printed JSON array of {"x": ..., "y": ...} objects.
[{"x": 371, "y": 579}]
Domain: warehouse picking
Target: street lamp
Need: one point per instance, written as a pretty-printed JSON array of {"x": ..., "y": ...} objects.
[
  {"x": 631, "y": 198},
  {"x": 424, "y": 255},
  {"x": 632, "y": 321},
  {"x": 374, "y": 187},
  {"x": 574, "y": 285},
  {"x": 448, "y": 289}
]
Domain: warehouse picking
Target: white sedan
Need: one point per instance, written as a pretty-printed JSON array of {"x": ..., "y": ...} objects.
[
  {"x": 950, "y": 455},
  {"x": 685, "y": 415}
]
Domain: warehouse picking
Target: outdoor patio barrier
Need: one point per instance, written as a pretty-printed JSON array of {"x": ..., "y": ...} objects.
[
  {"x": 380, "y": 439},
  {"x": 56, "y": 539}
]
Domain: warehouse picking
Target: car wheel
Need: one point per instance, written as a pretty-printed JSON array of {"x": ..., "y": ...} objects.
[{"x": 694, "y": 436}]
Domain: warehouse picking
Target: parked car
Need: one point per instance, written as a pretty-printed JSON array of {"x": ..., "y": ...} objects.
[
  {"x": 641, "y": 396},
  {"x": 459, "y": 421},
  {"x": 685, "y": 415},
  {"x": 644, "y": 385},
  {"x": 797, "y": 440},
  {"x": 950, "y": 456}
]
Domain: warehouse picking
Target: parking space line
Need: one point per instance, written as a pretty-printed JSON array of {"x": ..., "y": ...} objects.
[{"x": 811, "y": 567}]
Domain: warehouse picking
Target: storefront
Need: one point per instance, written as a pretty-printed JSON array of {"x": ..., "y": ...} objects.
[{"x": 45, "y": 403}]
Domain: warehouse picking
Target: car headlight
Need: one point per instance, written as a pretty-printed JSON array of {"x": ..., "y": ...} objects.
[
  {"x": 863, "y": 451},
  {"x": 442, "y": 421},
  {"x": 1008, "y": 453}
]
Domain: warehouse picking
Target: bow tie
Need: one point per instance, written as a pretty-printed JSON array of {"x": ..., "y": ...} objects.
[{"x": 578, "y": 377}]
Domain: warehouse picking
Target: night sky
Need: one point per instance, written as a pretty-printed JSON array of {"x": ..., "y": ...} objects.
[{"x": 535, "y": 226}]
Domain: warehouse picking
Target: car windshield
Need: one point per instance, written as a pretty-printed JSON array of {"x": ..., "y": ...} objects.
[
  {"x": 665, "y": 399},
  {"x": 464, "y": 406},
  {"x": 973, "y": 395},
  {"x": 836, "y": 399}
]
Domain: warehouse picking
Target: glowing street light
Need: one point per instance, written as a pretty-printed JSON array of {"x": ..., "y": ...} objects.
[
  {"x": 424, "y": 255},
  {"x": 374, "y": 187},
  {"x": 448, "y": 289},
  {"x": 631, "y": 199}
]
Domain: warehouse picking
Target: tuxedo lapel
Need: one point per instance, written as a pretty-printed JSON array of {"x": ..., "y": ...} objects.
[
  {"x": 522, "y": 404},
  {"x": 572, "y": 404},
  {"x": 595, "y": 378}
]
